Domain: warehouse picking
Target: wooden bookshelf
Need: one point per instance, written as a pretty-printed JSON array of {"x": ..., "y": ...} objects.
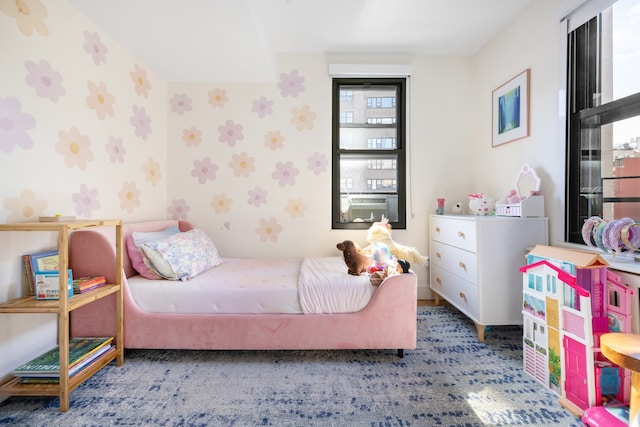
[{"x": 10, "y": 384}]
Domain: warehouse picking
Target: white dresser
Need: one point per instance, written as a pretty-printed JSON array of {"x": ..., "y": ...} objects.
[{"x": 475, "y": 261}]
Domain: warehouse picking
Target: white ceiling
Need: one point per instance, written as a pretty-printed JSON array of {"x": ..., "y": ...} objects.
[{"x": 237, "y": 40}]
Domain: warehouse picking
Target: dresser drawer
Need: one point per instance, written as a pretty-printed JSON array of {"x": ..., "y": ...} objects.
[
  {"x": 460, "y": 293},
  {"x": 456, "y": 232},
  {"x": 455, "y": 260}
]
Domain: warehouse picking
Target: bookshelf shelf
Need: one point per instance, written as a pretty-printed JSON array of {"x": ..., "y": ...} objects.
[{"x": 10, "y": 385}]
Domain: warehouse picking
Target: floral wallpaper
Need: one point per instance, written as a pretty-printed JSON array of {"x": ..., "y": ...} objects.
[
  {"x": 255, "y": 158},
  {"x": 87, "y": 129},
  {"x": 76, "y": 111},
  {"x": 250, "y": 160}
]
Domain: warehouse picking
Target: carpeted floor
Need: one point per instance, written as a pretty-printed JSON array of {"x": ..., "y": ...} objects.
[{"x": 450, "y": 380}]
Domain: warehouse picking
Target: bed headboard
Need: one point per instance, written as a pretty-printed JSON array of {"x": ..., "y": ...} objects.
[{"x": 92, "y": 252}]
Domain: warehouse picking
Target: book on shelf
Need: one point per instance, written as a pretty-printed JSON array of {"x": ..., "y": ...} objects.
[
  {"x": 42, "y": 261},
  {"x": 84, "y": 284},
  {"x": 28, "y": 274},
  {"x": 55, "y": 377},
  {"x": 81, "y": 352},
  {"x": 47, "y": 284},
  {"x": 45, "y": 261}
]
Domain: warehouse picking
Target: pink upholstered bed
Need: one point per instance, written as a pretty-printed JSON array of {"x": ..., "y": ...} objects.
[{"x": 387, "y": 321}]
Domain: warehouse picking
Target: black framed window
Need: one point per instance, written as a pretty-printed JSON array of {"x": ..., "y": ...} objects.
[
  {"x": 603, "y": 120},
  {"x": 368, "y": 165}
]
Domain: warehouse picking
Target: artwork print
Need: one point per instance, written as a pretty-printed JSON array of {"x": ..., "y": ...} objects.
[{"x": 511, "y": 110}]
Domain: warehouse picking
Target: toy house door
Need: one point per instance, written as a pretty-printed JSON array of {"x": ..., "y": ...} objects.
[{"x": 576, "y": 384}]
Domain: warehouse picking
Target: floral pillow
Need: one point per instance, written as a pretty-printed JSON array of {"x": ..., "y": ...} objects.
[
  {"x": 139, "y": 260},
  {"x": 183, "y": 255}
]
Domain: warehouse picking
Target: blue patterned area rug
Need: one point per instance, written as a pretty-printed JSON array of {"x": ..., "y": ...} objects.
[{"x": 450, "y": 380}]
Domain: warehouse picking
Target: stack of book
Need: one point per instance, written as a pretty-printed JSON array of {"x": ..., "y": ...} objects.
[
  {"x": 42, "y": 277},
  {"x": 84, "y": 284},
  {"x": 46, "y": 368}
]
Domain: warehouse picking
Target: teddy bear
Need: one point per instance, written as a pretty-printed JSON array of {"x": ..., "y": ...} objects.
[
  {"x": 381, "y": 232},
  {"x": 356, "y": 260}
]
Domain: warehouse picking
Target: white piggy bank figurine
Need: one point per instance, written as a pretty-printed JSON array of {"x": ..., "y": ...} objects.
[{"x": 481, "y": 204}]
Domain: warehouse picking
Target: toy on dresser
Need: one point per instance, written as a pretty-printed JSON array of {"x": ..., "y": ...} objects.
[{"x": 525, "y": 200}]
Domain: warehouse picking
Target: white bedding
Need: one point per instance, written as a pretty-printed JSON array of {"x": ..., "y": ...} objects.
[
  {"x": 259, "y": 286},
  {"x": 326, "y": 287}
]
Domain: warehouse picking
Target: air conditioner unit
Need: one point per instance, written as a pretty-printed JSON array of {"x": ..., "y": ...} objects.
[{"x": 368, "y": 208}]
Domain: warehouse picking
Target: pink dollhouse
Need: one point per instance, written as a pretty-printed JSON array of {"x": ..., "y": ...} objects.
[{"x": 570, "y": 299}]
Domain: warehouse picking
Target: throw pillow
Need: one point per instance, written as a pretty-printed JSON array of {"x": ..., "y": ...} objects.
[
  {"x": 139, "y": 260},
  {"x": 182, "y": 255}
]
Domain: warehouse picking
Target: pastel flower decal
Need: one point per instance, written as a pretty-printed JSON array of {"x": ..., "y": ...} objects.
[
  {"x": 230, "y": 133},
  {"x": 285, "y": 174},
  {"x": 291, "y": 84},
  {"x": 273, "y": 140},
  {"x": 180, "y": 103},
  {"x": 25, "y": 207},
  {"x": 295, "y": 208},
  {"x": 317, "y": 163},
  {"x": 14, "y": 125},
  {"x": 262, "y": 107},
  {"x": 303, "y": 118},
  {"x": 179, "y": 209},
  {"x": 94, "y": 47},
  {"x": 152, "y": 171},
  {"x": 115, "y": 149},
  {"x": 257, "y": 197},
  {"x": 217, "y": 98},
  {"x": 192, "y": 136},
  {"x": 204, "y": 170},
  {"x": 141, "y": 122},
  {"x": 129, "y": 197},
  {"x": 86, "y": 201},
  {"x": 75, "y": 148},
  {"x": 242, "y": 164},
  {"x": 140, "y": 81},
  {"x": 221, "y": 203},
  {"x": 29, "y": 15},
  {"x": 268, "y": 229},
  {"x": 100, "y": 99},
  {"x": 46, "y": 82}
]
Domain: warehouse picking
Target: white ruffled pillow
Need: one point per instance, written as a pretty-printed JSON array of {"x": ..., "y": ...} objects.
[
  {"x": 139, "y": 260},
  {"x": 182, "y": 255}
]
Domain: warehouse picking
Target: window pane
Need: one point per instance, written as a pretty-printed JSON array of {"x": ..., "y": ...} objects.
[
  {"x": 368, "y": 138},
  {"x": 625, "y": 40},
  {"x": 368, "y": 118},
  {"x": 368, "y": 188}
]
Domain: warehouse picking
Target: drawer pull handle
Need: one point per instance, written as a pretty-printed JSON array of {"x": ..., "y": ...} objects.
[
  {"x": 463, "y": 296},
  {"x": 438, "y": 255},
  {"x": 462, "y": 265},
  {"x": 461, "y": 234},
  {"x": 437, "y": 229},
  {"x": 438, "y": 281}
]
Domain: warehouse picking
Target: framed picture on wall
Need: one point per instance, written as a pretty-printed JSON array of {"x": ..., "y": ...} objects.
[{"x": 511, "y": 110}]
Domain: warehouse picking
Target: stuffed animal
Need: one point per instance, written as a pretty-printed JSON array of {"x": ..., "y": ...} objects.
[
  {"x": 381, "y": 257},
  {"x": 357, "y": 261},
  {"x": 377, "y": 277},
  {"x": 381, "y": 232}
]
